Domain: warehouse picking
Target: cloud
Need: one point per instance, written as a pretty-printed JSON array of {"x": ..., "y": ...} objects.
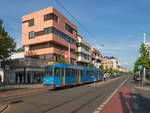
[
  {"x": 125, "y": 64},
  {"x": 134, "y": 45},
  {"x": 109, "y": 48}
]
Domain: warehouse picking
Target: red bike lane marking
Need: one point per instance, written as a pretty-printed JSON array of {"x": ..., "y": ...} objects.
[{"x": 121, "y": 102}]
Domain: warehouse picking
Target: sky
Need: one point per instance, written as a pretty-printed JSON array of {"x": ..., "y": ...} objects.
[{"x": 119, "y": 25}]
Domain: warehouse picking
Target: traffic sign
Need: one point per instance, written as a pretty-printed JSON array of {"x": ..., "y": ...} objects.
[{"x": 140, "y": 67}]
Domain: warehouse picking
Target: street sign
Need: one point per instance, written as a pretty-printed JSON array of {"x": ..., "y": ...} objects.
[{"x": 140, "y": 67}]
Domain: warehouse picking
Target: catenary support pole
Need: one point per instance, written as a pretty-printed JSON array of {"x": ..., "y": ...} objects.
[
  {"x": 144, "y": 70},
  {"x": 69, "y": 53}
]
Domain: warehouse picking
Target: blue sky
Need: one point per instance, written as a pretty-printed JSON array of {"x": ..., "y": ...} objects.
[{"x": 118, "y": 24}]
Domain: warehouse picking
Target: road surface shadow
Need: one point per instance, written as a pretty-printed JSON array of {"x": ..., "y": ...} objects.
[
  {"x": 126, "y": 103},
  {"x": 72, "y": 86},
  {"x": 141, "y": 104}
]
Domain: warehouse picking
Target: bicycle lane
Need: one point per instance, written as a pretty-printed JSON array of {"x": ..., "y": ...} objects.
[{"x": 121, "y": 102}]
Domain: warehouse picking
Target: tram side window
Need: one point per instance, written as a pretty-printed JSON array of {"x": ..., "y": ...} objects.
[
  {"x": 68, "y": 72},
  {"x": 90, "y": 73},
  {"x": 82, "y": 72},
  {"x": 73, "y": 72},
  {"x": 57, "y": 71},
  {"x": 87, "y": 72},
  {"x": 48, "y": 71}
]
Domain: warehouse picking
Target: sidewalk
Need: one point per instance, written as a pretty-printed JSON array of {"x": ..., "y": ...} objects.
[
  {"x": 20, "y": 89},
  {"x": 142, "y": 99},
  {"x": 3, "y": 107},
  {"x": 144, "y": 87},
  {"x": 38, "y": 85}
]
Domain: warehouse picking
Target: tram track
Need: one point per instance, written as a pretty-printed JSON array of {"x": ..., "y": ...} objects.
[
  {"x": 78, "y": 97},
  {"x": 68, "y": 101},
  {"x": 57, "y": 106}
]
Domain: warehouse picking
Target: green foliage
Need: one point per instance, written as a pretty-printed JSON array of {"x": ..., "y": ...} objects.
[
  {"x": 102, "y": 68},
  {"x": 7, "y": 44},
  {"x": 21, "y": 49},
  {"x": 143, "y": 59},
  {"x": 62, "y": 60},
  {"x": 111, "y": 70},
  {"x": 143, "y": 50},
  {"x": 90, "y": 65}
]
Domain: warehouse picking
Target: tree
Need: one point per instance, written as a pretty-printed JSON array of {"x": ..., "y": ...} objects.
[
  {"x": 7, "y": 44},
  {"x": 62, "y": 60},
  {"x": 102, "y": 68},
  {"x": 90, "y": 65},
  {"x": 111, "y": 70},
  {"x": 21, "y": 49},
  {"x": 112, "y": 57},
  {"x": 143, "y": 59}
]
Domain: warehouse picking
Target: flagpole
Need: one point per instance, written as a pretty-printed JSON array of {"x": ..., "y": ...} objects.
[{"x": 69, "y": 53}]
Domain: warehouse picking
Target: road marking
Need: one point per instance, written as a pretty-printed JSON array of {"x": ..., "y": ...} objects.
[
  {"x": 100, "y": 108},
  {"x": 96, "y": 112}
]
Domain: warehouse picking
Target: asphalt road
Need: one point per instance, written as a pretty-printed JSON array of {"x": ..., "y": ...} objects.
[{"x": 80, "y": 99}]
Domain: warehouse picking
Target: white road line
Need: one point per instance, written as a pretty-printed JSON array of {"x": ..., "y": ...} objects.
[
  {"x": 96, "y": 112},
  {"x": 99, "y": 109}
]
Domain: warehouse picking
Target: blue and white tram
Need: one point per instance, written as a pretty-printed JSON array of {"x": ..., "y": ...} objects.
[{"x": 59, "y": 75}]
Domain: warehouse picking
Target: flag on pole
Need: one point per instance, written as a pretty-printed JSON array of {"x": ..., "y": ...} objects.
[
  {"x": 66, "y": 54},
  {"x": 148, "y": 48}
]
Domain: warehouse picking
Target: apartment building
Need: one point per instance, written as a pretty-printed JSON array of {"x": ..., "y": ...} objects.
[
  {"x": 114, "y": 63},
  {"x": 107, "y": 63},
  {"x": 96, "y": 57},
  {"x": 110, "y": 62},
  {"x": 83, "y": 52},
  {"x": 46, "y": 35}
]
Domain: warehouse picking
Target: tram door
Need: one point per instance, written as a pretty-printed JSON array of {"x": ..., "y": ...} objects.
[
  {"x": 63, "y": 78},
  {"x": 78, "y": 78},
  {"x": 97, "y": 75}
]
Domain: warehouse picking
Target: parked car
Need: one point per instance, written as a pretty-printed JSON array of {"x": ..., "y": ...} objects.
[
  {"x": 106, "y": 75},
  {"x": 137, "y": 78}
]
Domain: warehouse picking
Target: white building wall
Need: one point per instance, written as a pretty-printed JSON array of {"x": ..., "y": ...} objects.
[
  {"x": 2, "y": 75},
  {"x": 82, "y": 50},
  {"x": 17, "y": 55}
]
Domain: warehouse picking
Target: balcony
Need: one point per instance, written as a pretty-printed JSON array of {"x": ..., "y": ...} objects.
[
  {"x": 51, "y": 50},
  {"x": 80, "y": 49},
  {"x": 48, "y": 38},
  {"x": 82, "y": 59}
]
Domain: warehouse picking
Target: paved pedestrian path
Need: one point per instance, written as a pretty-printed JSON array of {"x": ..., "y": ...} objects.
[
  {"x": 12, "y": 93},
  {"x": 3, "y": 107},
  {"x": 39, "y": 85}
]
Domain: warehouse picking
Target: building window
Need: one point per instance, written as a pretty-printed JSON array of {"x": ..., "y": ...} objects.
[
  {"x": 51, "y": 16},
  {"x": 31, "y": 22},
  {"x": 31, "y": 34},
  {"x": 48, "y": 30},
  {"x": 69, "y": 28},
  {"x": 86, "y": 48},
  {"x": 58, "y": 33}
]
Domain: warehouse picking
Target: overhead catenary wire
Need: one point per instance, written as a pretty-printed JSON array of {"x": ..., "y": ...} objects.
[{"x": 78, "y": 22}]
